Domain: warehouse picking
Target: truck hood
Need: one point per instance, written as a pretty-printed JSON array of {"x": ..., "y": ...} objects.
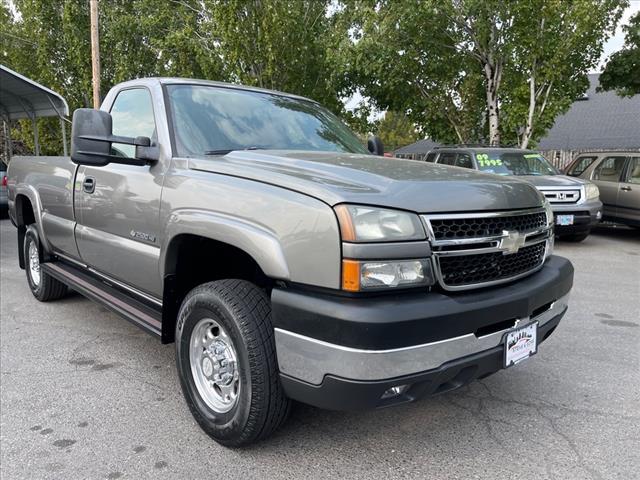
[
  {"x": 367, "y": 179},
  {"x": 542, "y": 181}
]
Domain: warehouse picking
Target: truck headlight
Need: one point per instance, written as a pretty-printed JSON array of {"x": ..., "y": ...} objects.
[
  {"x": 371, "y": 224},
  {"x": 591, "y": 191},
  {"x": 374, "y": 275}
]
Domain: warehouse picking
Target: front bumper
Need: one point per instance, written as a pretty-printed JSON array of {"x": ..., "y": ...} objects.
[
  {"x": 585, "y": 216},
  {"x": 344, "y": 353}
]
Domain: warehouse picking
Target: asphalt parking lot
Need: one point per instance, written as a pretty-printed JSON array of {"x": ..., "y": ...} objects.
[{"x": 84, "y": 394}]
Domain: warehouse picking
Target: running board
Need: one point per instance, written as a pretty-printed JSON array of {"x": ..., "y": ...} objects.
[{"x": 142, "y": 315}]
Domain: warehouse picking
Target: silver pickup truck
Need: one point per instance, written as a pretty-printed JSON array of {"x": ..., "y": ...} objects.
[{"x": 284, "y": 258}]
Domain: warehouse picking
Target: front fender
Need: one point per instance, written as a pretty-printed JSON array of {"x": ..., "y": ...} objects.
[{"x": 258, "y": 242}]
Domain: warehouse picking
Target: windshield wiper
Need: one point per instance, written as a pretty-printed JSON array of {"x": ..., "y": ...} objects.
[{"x": 228, "y": 150}]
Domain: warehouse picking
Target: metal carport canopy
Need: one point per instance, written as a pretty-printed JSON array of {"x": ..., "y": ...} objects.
[
  {"x": 21, "y": 97},
  {"x": 24, "y": 98}
]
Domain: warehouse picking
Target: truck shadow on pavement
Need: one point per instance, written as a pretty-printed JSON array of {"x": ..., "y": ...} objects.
[{"x": 616, "y": 231}]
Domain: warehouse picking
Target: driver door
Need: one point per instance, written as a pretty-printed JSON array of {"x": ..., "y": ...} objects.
[{"x": 118, "y": 206}]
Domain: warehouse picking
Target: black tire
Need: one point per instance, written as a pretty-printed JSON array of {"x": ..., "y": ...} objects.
[
  {"x": 47, "y": 288},
  {"x": 577, "y": 237},
  {"x": 244, "y": 313}
]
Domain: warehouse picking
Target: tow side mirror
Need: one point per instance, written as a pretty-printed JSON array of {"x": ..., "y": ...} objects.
[
  {"x": 374, "y": 145},
  {"x": 92, "y": 136}
]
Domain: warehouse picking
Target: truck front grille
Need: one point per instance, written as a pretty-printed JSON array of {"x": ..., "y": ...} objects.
[
  {"x": 489, "y": 267},
  {"x": 480, "y": 249},
  {"x": 476, "y": 227}
]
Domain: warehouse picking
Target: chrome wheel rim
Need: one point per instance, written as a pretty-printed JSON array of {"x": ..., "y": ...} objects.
[
  {"x": 214, "y": 365},
  {"x": 34, "y": 263}
]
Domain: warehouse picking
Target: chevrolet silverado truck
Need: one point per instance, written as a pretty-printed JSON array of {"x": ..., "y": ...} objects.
[{"x": 286, "y": 260}]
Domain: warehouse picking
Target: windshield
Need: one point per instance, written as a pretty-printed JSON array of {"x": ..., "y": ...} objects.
[
  {"x": 211, "y": 120},
  {"x": 514, "y": 163}
]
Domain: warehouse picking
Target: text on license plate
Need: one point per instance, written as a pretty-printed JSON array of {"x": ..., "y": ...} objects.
[
  {"x": 520, "y": 344},
  {"x": 564, "y": 220}
]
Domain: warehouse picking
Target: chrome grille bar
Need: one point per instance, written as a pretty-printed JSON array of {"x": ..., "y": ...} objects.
[
  {"x": 478, "y": 247},
  {"x": 561, "y": 194}
]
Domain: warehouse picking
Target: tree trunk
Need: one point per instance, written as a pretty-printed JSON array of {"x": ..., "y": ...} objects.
[
  {"x": 492, "y": 74},
  {"x": 526, "y": 136},
  {"x": 534, "y": 103}
]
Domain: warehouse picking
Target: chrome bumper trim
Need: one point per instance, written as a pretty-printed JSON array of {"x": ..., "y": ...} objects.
[{"x": 309, "y": 359}]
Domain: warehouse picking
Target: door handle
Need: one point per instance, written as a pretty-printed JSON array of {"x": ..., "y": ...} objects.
[
  {"x": 626, "y": 189},
  {"x": 89, "y": 184}
]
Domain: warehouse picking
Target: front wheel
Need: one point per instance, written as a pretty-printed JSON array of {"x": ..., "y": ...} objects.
[
  {"x": 43, "y": 286},
  {"x": 226, "y": 360}
]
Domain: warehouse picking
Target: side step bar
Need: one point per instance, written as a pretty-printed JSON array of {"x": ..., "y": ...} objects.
[{"x": 142, "y": 315}]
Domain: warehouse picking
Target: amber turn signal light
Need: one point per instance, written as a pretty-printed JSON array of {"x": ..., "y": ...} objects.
[
  {"x": 347, "y": 230},
  {"x": 351, "y": 275}
]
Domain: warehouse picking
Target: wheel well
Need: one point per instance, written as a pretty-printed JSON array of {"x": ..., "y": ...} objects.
[
  {"x": 25, "y": 216},
  {"x": 192, "y": 260}
]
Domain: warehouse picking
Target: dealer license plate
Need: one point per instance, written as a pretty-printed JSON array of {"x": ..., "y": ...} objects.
[
  {"x": 564, "y": 220},
  {"x": 520, "y": 344}
]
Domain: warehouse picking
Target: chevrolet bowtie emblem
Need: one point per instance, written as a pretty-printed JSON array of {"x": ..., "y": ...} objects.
[{"x": 511, "y": 242}]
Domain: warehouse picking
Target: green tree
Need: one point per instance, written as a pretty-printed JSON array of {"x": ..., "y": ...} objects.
[
  {"x": 396, "y": 130},
  {"x": 622, "y": 72},
  {"x": 398, "y": 56},
  {"x": 470, "y": 70},
  {"x": 555, "y": 44},
  {"x": 279, "y": 44},
  {"x": 49, "y": 42}
]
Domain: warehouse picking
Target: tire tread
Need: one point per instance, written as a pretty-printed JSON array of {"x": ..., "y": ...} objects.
[
  {"x": 50, "y": 288},
  {"x": 252, "y": 311}
]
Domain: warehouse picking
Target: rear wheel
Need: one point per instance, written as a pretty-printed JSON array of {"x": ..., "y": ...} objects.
[
  {"x": 226, "y": 360},
  {"x": 43, "y": 286}
]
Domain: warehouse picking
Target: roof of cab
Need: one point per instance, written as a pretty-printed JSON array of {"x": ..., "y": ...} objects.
[{"x": 211, "y": 83}]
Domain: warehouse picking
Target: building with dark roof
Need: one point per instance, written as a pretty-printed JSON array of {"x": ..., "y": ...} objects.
[
  {"x": 598, "y": 121},
  {"x": 416, "y": 151}
]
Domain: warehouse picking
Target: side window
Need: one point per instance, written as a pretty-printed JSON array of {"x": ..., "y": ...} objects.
[
  {"x": 580, "y": 166},
  {"x": 634, "y": 171},
  {"x": 431, "y": 157},
  {"x": 610, "y": 169},
  {"x": 464, "y": 160},
  {"x": 447, "y": 158},
  {"x": 132, "y": 115}
]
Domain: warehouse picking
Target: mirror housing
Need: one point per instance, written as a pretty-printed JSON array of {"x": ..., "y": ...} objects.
[
  {"x": 375, "y": 146},
  {"x": 92, "y": 136}
]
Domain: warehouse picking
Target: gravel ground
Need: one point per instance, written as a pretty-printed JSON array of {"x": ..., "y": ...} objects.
[{"x": 84, "y": 394}]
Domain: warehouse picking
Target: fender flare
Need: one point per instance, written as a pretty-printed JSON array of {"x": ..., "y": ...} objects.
[
  {"x": 31, "y": 193},
  {"x": 256, "y": 241}
]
